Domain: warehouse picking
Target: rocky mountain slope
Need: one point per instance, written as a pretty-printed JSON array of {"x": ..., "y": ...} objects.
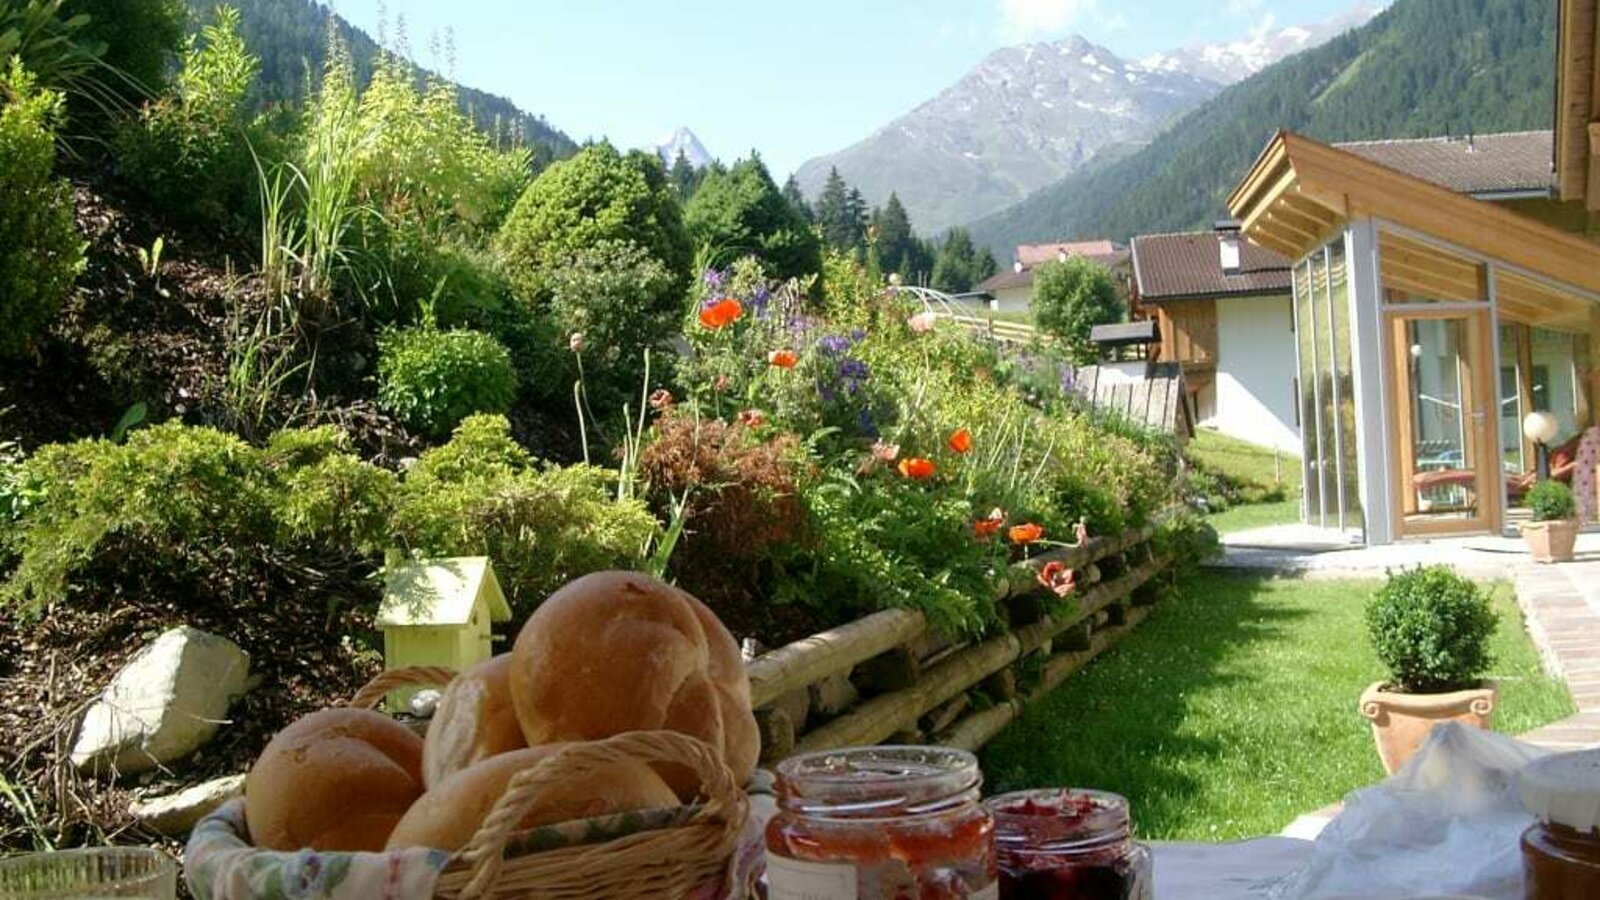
[
  {"x": 685, "y": 142},
  {"x": 1029, "y": 115}
]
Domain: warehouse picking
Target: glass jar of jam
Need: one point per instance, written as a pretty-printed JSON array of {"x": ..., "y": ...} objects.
[
  {"x": 1063, "y": 844},
  {"x": 880, "y": 823},
  {"x": 1561, "y": 851}
]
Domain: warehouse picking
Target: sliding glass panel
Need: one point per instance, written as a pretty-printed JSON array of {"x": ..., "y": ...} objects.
[
  {"x": 1305, "y": 334},
  {"x": 1344, "y": 380}
]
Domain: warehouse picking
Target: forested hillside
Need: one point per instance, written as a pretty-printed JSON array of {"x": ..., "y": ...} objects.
[
  {"x": 291, "y": 36},
  {"x": 1424, "y": 67}
]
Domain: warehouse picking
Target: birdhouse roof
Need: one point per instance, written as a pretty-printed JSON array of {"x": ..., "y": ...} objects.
[{"x": 441, "y": 592}]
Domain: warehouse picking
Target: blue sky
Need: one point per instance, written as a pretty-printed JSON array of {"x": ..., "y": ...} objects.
[{"x": 792, "y": 79}]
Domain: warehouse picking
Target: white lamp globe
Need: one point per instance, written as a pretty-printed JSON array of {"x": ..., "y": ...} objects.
[{"x": 1540, "y": 427}]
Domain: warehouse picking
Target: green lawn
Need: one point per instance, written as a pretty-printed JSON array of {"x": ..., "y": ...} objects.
[
  {"x": 1232, "y": 710},
  {"x": 1245, "y": 516}
]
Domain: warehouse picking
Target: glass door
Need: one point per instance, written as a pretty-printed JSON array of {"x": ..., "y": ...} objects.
[{"x": 1447, "y": 456}]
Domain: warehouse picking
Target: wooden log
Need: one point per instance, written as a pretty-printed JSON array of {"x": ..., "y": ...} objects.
[
  {"x": 931, "y": 643},
  {"x": 777, "y": 734},
  {"x": 1074, "y": 638},
  {"x": 942, "y": 717},
  {"x": 909, "y": 735},
  {"x": 1002, "y": 685},
  {"x": 1147, "y": 594},
  {"x": 805, "y": 661},
  {"x": 1117, "y": 614},
  {"x": 1024, "y": 609},
  {"x": 833, "y": 695},
  {"x": 796, "y": 705},
  {"x": 978, "y": 728},
  {"x": 893, "y": 671},
  {"x": 883, "y": 715}
]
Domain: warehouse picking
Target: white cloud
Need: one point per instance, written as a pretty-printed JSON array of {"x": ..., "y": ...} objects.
[{"x": 1023, "y": 19}]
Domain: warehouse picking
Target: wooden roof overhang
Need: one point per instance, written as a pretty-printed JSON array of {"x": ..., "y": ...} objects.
[
  {"x": 1577, "y": 136},
  {"x": 1300, "y": 193}
]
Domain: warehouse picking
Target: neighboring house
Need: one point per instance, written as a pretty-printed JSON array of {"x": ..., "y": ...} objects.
[
  {"x": 1442, "y": 290},
  {"x": 1225, "y": 313},
  {"x": 1012, "y": 291}
]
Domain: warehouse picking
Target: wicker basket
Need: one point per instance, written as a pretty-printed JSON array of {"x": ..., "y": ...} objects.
[{"x": 668, "y": 863}]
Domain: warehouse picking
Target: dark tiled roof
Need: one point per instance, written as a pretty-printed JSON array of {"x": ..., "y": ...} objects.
[
  {"x": 1007, "y": 279},
  {"x": 1486, "y": 164},
  {"x": 1177, "y": 266}
]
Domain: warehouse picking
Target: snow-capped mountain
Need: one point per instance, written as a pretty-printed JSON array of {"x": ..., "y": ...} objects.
[
  {"x": 1233, "y": 61},
  {"x": 682, "y": 141},
  {"x": 1029, "y": 115},
  {"x": 1025, "y": 117}
]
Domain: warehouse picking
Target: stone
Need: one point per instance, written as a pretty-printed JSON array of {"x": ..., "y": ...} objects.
[
  {"x": 164, "y": 704},
  {"x": 833, "y": 695},
  {"x": 175, "y": 815}
]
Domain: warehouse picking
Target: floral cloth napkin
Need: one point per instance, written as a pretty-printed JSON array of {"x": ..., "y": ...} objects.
[{"x": 220, "y": 864}]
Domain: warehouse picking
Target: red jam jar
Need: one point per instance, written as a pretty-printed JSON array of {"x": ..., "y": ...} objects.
[
  {"x": 880, "y": 823},
  {"x": 1561, "y": 851},
  {"x": 1064, "y": 844}
]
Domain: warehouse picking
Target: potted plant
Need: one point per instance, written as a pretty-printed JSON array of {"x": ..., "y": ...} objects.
[
  {"x": 1554, "y": 530},
  {"x": 1430, "y": 628}
]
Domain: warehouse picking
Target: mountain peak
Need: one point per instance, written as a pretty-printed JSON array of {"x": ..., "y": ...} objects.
[
  {"x": 1228, "y": 62},
  {"x": 683, "y": 141}
]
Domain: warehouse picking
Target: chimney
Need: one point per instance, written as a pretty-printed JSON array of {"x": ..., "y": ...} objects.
[
  {"x": 1228, "y": 241},
  {"x": 1061, "y": 254},
  {"x": 1017, "y": 267}
]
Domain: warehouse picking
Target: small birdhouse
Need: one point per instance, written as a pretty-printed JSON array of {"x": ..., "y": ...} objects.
[{"x": 438, "y": 612}]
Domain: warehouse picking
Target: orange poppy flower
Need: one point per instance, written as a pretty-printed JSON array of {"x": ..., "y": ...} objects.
[
  {"x": 917, "y": 468},
  {"x": 961, "y": 440},
  {"x": 983, "y": 528},
  {"x": 1025, "y": 534},
  {"x": 721, "y": 314},
  {"x": 783, "y": 359},
  {"x": 1058, "y": 578}
]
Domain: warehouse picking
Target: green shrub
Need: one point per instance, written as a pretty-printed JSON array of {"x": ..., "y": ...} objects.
[
  {"x": 624, "y": 303},
  {"x": 597, "y": 195},
  {"x": 41, "y": 252},
  {"x": 741, "y": 210},
  {"x": 137, "y": 39},
  {"x": 187, "y": 151},
  {"x": 543, "y": 525},
  {"x": 177, "y": 502},
  {"x": 432, "y": 379},
  {"x": 1551, "y": 501},
  {"x": 1070, "y": 298},
  {"x": 1431, "y": 628}
]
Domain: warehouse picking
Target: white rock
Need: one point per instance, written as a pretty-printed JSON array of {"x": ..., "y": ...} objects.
[
  {"x": 175, "y": 815},
  {"x": 166, "y": 702}
]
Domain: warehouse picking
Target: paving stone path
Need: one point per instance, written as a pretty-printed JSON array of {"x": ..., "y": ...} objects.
[{"x": 1562, "y": 606}]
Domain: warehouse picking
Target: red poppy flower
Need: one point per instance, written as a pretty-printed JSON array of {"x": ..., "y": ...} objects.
[
  {"x": 917, "y": 468},
  {"x": 752, "y": 418},
  {"x": 661, "y": 399},
  {"x": 783, "y": 359},
  {"x": 721, "y": 314},
  {"x": 1058, "y": 578},
  {"x": 961, "y": 440},
  {"x": 983, "y": 528},
  {"x": 1026, "y": 533}
]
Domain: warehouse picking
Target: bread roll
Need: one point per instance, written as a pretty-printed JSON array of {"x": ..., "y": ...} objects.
[
  {"x": 474, "y": 721},
  {"x": 449, "y": 814},
  {"x": 620, "y": 651},
  {"x": 338, "y": 779}
]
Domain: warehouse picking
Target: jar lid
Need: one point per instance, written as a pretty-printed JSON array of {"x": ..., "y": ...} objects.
[{"x": 1564, "y": 789}]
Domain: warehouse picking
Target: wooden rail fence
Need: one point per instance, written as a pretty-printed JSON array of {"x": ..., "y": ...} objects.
[{"x": 890, "y": 677}]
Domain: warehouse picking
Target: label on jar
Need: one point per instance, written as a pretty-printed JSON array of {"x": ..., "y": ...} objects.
[{"x": 793, "y": 879}]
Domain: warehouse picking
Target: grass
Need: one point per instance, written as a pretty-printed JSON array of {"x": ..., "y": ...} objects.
[
  {"x": 1232, "y": 710},
  {"x": 1245, "y": 516}
]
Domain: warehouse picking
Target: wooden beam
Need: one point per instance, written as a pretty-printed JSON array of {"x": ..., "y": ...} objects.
[
  {"x": 1312, "y": 227},
  {"x": 1311, "y": 209},
  {"x": 1276, "y": 242}
]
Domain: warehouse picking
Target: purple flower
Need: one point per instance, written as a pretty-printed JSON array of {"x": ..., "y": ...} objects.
[
  {"x": 852, "y": 369},
  {"x": 759, "y": 301},
  {"x": 834, "y": 345},
  {"x": 859, "y": 335},
  {"x": 1069, "y": 379},
  {"x": 712, "y": 279},
  {"x": 825, "y": 392},
  {"x": 865, "y": 424}
]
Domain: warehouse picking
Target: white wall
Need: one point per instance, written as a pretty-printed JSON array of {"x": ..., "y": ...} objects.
[
  {"x": 1018, "y": 299},
  {"x": 1256, "y": 368}
]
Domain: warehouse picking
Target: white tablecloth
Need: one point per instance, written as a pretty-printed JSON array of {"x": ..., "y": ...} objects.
[{"x": 1239, "y": 871}]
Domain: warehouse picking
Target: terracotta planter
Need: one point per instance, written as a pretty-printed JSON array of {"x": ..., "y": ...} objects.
[
  {"x": 1551, "y": 541},
  {"x": 1401, "y": 722}
]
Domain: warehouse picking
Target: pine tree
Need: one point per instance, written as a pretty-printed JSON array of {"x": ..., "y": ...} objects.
[
  {"x": 684, "y": 176},
  {"x": 895, "y": 237},
  {"x": 956, "y": 265},
  {"x": 842, "y": 214},
  {"x": 797, "y": 199}
]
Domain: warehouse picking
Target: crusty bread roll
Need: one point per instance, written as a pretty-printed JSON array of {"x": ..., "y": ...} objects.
[
  {"x": 473, "y": 721},
  {"x": 449, "y": 814},
  {"x": 620, "y": 651},
  {"x": 338, "y": 779}
]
